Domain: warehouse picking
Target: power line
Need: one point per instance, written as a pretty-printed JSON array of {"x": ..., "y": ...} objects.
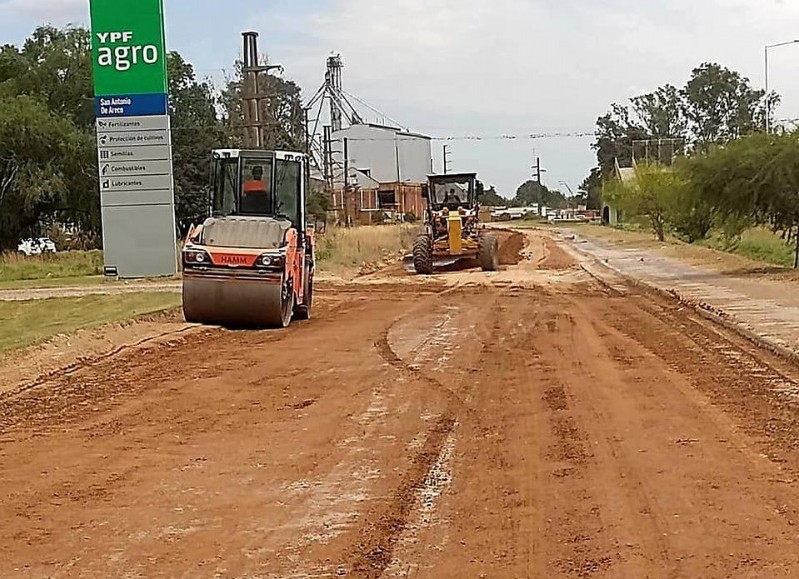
[
  {"x": 531, "y": 136},
  {"x": 374, "y": 110}
]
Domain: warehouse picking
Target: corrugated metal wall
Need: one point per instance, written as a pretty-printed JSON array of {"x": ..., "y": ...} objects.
[{"x": 389, "y": 156}]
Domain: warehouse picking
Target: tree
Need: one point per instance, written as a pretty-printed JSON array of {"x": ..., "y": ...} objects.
[
  {"x": 616, "y": 131},
  {"x": 53, "y": 69},
  {"x": 656, "y": 115},
  {"x": 752, "y": 181},
  {"x": 36, "y": 151},
  {"x": 721, "y": 106},
  {"x": 690, "y": 216},
  {"x": 661, "y": 114},
  {"x": 655, "y": 193},
  {"x": 491, "y": 198},
  {"x": 534, "y": 193},
  {"x": 56, "y": 67},
  {"x": 318, "y": 203},
  {"x": 592, "y": 185},
  {"x": 196, "y": 130}
]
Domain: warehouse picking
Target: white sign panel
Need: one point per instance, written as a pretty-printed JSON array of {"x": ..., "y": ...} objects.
[
  {"x": 142, "y": 153},
  {"x": 135, "y": 168},
  {"x": 133, "y": 138},
  {"x": 141, "y": 183},
  {"x": 137, "y": 198},
  {"x": 151, "y": 123}
]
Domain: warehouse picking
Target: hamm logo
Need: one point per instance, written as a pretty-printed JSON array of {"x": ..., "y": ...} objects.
[{"x": 234, "y": 260}]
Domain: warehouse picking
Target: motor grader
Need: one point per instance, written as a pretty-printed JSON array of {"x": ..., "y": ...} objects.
[
  {"x": 251, "y": 263},
  {"x": 452, "y": 226}
]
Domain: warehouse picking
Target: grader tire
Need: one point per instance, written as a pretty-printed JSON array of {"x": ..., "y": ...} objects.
[
  {"x": 489, "y": 253},
  {"x": 423, "y": 254}
]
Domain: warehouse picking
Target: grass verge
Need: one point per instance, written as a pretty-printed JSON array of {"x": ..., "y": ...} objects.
[
  {"x": 760, "y": 251},
  {"x": 346, "y": 251},
  {"x": 758, "y": 245},
  {"x": 24, "y": 323},
  {"x": 57, "y": 282},
  {"x": 16, "y": 267}
]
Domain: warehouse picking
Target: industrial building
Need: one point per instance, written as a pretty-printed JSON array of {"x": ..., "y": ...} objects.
[
  {"x": 386, "y": 169},
  {"x": 372, "y": 171}
]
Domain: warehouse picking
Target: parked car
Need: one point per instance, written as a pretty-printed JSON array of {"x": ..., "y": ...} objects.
[{"x": 36, "y": 246}]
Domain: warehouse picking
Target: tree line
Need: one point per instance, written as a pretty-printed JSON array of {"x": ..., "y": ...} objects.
[
  {"x": 48, "y": 153},
  {"x": 530, "y": 193},
  {"x": 703, "y": 159}
]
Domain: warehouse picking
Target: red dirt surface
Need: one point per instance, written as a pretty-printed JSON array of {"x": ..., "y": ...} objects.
[{"x": 538, "y": 425}]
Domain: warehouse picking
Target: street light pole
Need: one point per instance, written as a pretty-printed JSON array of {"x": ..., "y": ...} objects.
[{"x": 768, "y": 100}]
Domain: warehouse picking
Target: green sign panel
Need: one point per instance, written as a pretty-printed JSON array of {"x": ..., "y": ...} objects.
[{"x": 128, "y": 47}]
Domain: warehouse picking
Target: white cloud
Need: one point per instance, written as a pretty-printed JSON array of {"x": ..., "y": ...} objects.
[
  {"x": 56, "y": 12},
  {"x": 500, "y": 66}
]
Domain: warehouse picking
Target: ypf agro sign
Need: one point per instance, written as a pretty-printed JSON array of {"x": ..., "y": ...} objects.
[
  {"x": 134, "y": 144},
  {"x": 129, "y": 48}
]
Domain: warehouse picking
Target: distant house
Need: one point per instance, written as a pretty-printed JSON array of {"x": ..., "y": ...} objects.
[{"x": 612, "y": 215}]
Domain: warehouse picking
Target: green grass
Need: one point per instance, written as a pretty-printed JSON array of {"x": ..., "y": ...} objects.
[
  {"x": 23, "y": 323},
  {"x": 757, "y": 245},
  {"x": 72, "y": 264},
  {"x": 53, "y": 282}
]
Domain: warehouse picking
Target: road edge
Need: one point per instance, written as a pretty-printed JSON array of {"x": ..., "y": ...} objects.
[{"x": 704, "y": 309}]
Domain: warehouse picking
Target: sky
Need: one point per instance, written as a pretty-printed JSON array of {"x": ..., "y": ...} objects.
[{"x": 487, "y": 68}]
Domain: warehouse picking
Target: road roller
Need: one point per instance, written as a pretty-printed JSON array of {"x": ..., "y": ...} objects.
[
  {"x": 251, "y": 263},
  {"x": 452, "y": 232}
]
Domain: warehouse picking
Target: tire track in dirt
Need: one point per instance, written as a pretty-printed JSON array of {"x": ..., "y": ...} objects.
[
  {"x": 380, "y": 535},
  {"x": 623, "y": 502},
  {"x": 480, "y": 468},
  {"x": 383, "y": 528},
  {"x": 652, "y": 507}
]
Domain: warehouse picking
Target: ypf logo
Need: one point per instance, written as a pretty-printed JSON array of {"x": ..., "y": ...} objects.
[{"x": 116, "y": 51}]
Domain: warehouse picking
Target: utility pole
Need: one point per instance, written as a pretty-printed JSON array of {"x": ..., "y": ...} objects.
[
  {"x": 307, "y": 135},
  {"x": 345, "y": 195},
  {"x": 255, "y": 123},
  {"x": 327, "y": 158},
  {"x": 538, "y": 170},
  {"x": 537, "y": 177},
  {"x": 768, "y": 100},
  {"x": 446, "y": 159}
]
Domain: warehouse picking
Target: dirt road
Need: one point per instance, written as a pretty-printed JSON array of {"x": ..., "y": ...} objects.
[{"x": 527, "y": 423}]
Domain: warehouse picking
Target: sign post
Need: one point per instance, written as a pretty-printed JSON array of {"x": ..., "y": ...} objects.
[{"x": 134, "y": 144}]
